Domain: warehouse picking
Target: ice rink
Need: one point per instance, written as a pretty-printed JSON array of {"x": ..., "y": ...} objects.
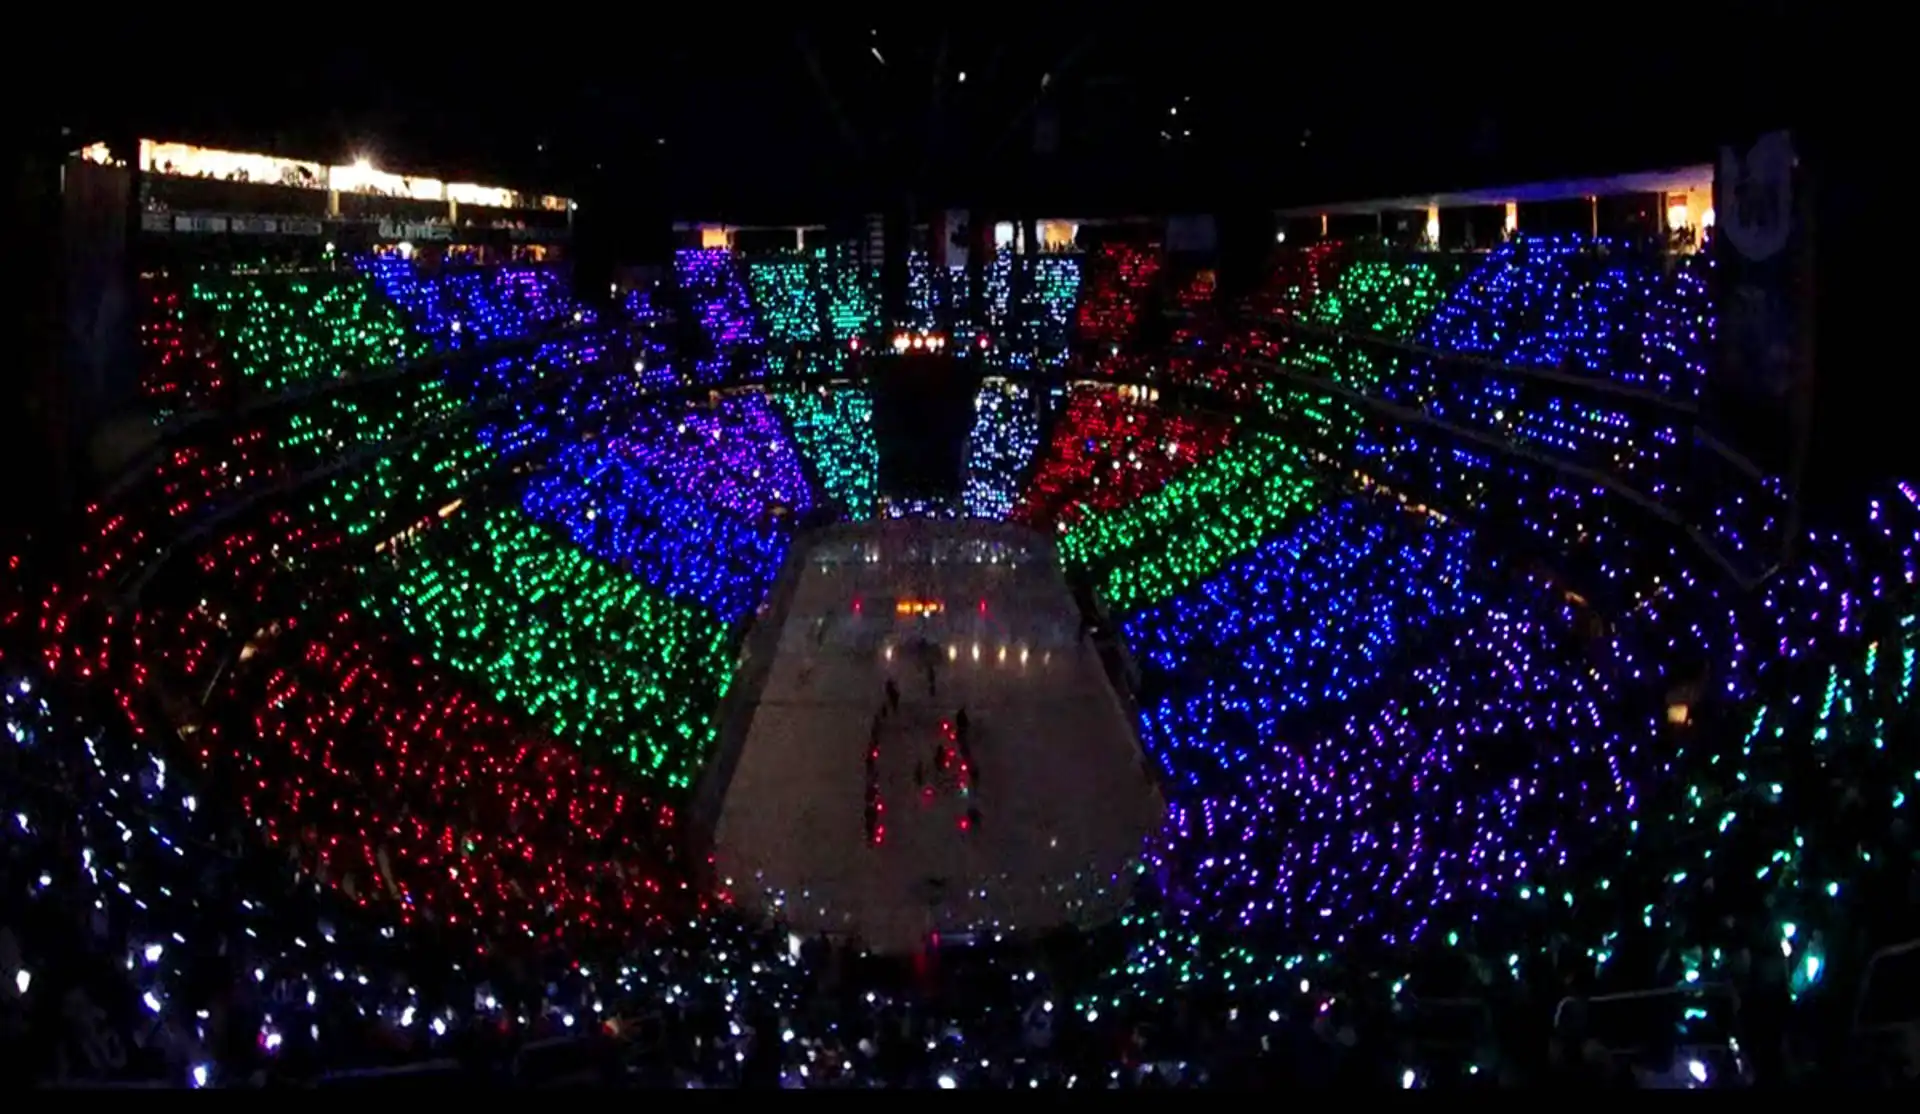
[{"x": 1062, "y": 804}]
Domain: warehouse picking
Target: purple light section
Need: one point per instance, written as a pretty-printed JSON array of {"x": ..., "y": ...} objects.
[
  {"x": 718, "y": 295},
  {"x": 1424, "y": 798},
  {"x": 736, "y": 455}
]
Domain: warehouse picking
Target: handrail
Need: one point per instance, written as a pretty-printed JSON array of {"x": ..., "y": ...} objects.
[
  {"x": 419, "y": 1067},
  {"x": 1395, "y": 411},
  {"x": 1651, "y": 992},
  {"x": 1892, "y": 951},
  {"x": 168, "y": 432},
  {"x": 758, "y": 645},
  {"x": 1409, "y": 416},
  {"x": 1593, "y": 383},
  {"x": 351, "y": 460}
]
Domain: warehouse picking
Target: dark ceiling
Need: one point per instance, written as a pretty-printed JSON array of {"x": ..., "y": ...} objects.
[{"x": 1263, "y": 109}]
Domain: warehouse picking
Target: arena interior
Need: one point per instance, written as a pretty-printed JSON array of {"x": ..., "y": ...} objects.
[{"x": 1377, "y": 674}]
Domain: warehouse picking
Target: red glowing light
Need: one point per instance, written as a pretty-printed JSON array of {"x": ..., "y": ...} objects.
[{"x": 1106, "y": 452}]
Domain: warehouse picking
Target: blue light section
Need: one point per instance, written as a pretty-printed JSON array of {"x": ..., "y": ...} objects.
[
  {"x": 1005, "y": 435},
  {"x": 1314, "y": 615},
  {"x": 467, "y": 308},
  {"x": 614, "y": 510}
]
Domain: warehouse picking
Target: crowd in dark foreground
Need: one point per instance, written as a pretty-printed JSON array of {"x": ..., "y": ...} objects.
[{"x": 151, "y": 936}]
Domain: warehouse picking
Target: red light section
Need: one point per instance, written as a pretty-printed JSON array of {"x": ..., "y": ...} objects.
[
  {"x": 1112, "y": 300},
  {"x": 1107, "y": 452}
]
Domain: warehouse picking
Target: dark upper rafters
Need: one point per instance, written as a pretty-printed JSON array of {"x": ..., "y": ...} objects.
[{"x": 1308, "y": 110}]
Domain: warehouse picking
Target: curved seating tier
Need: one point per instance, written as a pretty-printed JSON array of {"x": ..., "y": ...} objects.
[{"x": 385, "y": 706}]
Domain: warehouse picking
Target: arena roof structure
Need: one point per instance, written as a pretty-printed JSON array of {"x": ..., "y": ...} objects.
[
  {"x": 1682, "y": 179},
  {"x": 777, "y": 125}
]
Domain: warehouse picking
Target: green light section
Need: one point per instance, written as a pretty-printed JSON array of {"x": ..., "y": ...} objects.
[
  {"x": 1191, "y": 528},
  {"x": 431, "y": 472},
  {"x": 1393, "y": 297},
  {"x": 848, "y": 287},
  {"x": 591, "y": 652},
  {"x": 812, "y": 362},
  {"x": 1341, "y": 361},
  {"x": 1313, "y": 417},
  {"x": 834, "y": 430},
  {"x": 787, "y": 298},
  {"x": 277, "y": 333},
  {"x": 1056, "y": 282},
  {"x": 1055, "y": 290},
  {"x": 323, "y": 428}
]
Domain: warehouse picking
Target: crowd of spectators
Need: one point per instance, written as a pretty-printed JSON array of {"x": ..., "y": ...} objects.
[{"x": 377, "y": 772}]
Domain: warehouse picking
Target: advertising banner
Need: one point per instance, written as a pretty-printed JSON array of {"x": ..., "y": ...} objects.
[{"x": 1755, "y": 388}]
